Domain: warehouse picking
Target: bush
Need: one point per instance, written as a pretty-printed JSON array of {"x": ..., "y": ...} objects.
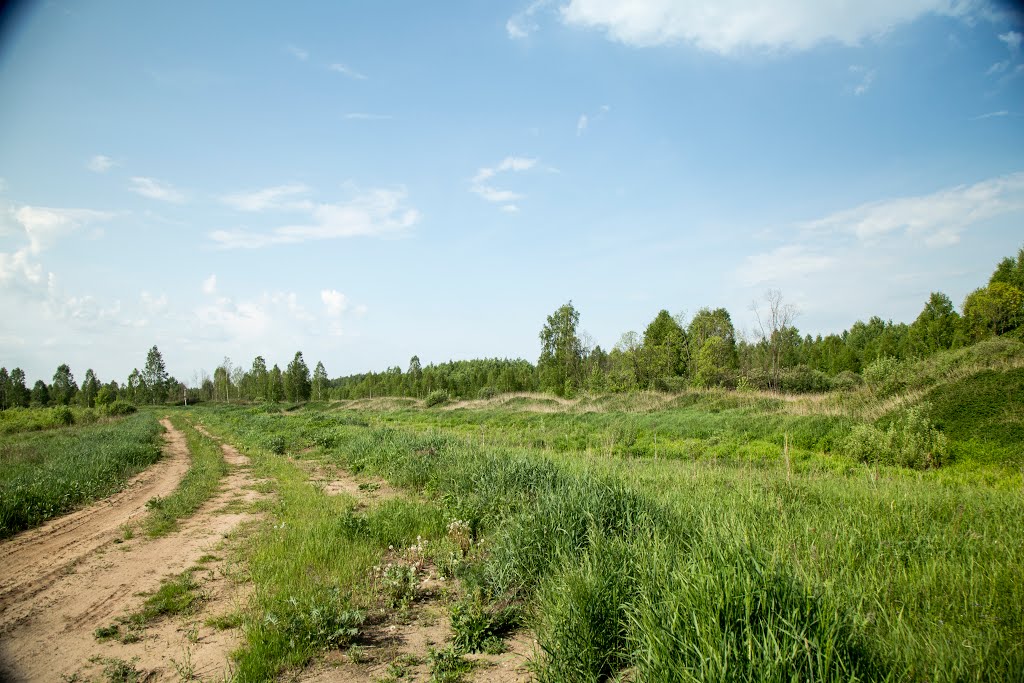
[
  {"x": 63, "y": 416},
  {"x": 487, "y": 392},
  {"x": 804, "y": 380},
  {"x": 118, "y": 407},
  {"x": 477, "y": 626},
  {"x": 275, "y": 444},
  {"x": 910, "y": 441},
  {"x": 436, "y": 398},
  {"x": 847, "y": 381},
  {"x": 886, "y": 376}
]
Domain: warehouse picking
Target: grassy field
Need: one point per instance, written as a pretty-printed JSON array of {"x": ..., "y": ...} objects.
[
  {"x": 47, "y": 473},
  {"x": 708, "y": 536}
]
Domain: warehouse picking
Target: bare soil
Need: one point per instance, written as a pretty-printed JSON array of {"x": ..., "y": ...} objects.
[{"x": 62, "y": 581}]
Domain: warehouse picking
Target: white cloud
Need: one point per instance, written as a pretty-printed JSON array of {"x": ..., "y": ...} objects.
[
  {"x": 991, "y": 115},
  {"x": 44, "y": 225},
  {"x": 100, "y": 164},
  {"x": 784, "y": 262},
  {"x": 210, "y": 284},
  {"x": 937, "y": 218},
  {"x": 584, "y": 121},
  {"x": 730, "y": 26},
  {"x": 335, "y": 302},
  {"x": 277, "y": 197},
  {"x": 363, "y": 116},
  {"x": 1012, "y": 40},
  {"x": 998, "y": 67},
  {"x": 521, "y": 25},
  {"x": 581, "y": 124},
  {"x": 347, "y": 71},
  {"x": 297, "y": 52},
  {"x": 865, "y": 78},
  {"x": 479, "y": 185},
  {"x": 17, "y": 265},
  {"x": 372, "y": 213},
  {"x": 510, "y": 208},
  {"x": 156, "y": 189}
]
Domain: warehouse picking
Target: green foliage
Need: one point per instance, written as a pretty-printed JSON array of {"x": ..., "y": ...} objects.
[
  {"x": 49, "y": 473},
  {"x": 477, "y": 624},
  {"x": 713, "y": 363},
  {"x": 987, "y": 406},
  {"x": 448, "y": 665},
  {"x": 316, "y": 621},
  {"x": 297, "y": 386},
  {"x": 435, "y": 398},
  {"x": 117, "y": 408},
  {"x": 886, "y": 376},
  {"x": 993, "y": 310},
  {"x": 910, "y": 441},
  {"x": 561, "y": 355},
  {"x": 63, "y": 416},
  {"x": 275, "y": 443}
]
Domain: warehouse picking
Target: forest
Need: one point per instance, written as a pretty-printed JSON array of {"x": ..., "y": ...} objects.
[{"x": 671, "y": 354}]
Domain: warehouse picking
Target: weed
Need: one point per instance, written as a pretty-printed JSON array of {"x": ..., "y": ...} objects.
[
  {"x": 476, "y": 625},
  {"x": 117, "y": 670},
  {"x": 223, "y": 622},
  {"x": 448, "y": 665}
]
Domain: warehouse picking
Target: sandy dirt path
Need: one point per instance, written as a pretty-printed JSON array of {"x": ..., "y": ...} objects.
[{"x": 62, "y": 581}]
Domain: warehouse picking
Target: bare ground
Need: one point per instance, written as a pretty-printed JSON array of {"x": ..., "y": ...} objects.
[{"x": 62, "y": 581}]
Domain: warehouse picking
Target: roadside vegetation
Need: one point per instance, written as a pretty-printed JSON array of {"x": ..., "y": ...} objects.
[
  {"x": 44, "y": 474},
  {"x": 197, "y": 486}
]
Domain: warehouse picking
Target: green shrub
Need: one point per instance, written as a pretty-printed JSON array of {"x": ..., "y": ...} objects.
[
  {"x": 476, "y": 624},
  {"x": 804, "y": 380},
  {"x": 62, "y": 415},
  {"x": 910, "y": 441},
  {"x": 436, "y": 398},
  {"x": 318, "y": 620},
  {"x": 886, "y": 376},
  {"x": 275, "y": 443},
  {"x": 847, "y": 380},
  {"x": 486, "y": 393},
  {"x": 118, "y": 407}
]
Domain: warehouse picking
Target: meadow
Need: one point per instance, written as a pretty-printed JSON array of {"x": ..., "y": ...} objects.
[
  {"x": 50, "y": 465},
  {"x": 708, "y": 535}
]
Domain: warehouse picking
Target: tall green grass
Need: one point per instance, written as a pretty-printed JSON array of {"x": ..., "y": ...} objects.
[
  {"x": 685, "y": 569},
  {"x": 49, "y": 473},
  {"x": 198, "y": 485}
]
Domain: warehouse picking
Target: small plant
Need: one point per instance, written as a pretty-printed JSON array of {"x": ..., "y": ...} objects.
[
  {"x": 356, "y": 654},
  {"x": 186, "y": 668},
  {"x": 118, "y": 408},
  {"x": 398, "y": 582},
  {"x": 461, "y": 534},
  {"x": 275, "y": 444},
  {"x": 448, "y": 665},
  {"x": 111, "y": 632},
  {"x": 477, "y": 625},
  {"x": 222, "y": 622},
  {"x": 317, "y": 620},
  {"x": 119, "y": 671}
]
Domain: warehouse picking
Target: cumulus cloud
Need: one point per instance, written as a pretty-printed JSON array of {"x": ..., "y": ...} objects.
[
  {"x": 100, "y": 164},
  {"x": 156, "y": 189},
  {"x": 334, "y": 301},
  {"x": 45, "y": 225},
  {"x": 276, "y": 197},
  {"x": 937, "y": 218},
  {"x": 480, "y": 186},
  {"x": 730, "y": 26},
  {"x": 372, "y": 213},
  {"x": 522, "y": 24}
]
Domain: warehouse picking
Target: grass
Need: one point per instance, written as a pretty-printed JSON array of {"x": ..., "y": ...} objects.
[
  {"x": 728, "y": 564},
  {"x": 178, "y": 595},
  {"x": 49, "y": 473},
  {"x": 198, "y": 485}
]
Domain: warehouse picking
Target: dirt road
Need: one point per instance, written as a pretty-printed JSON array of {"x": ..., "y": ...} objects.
[{"x": 62, "y": 581}]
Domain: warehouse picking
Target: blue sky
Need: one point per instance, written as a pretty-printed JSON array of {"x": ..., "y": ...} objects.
[{"x": 368, "y": 181}]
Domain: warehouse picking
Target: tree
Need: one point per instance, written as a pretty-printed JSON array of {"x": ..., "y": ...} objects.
[
  {"x": 275, "y": 385},
  {"x": 134, "y": 387},
  {"x": 5, "y": 390},
  {"x": 64, "y": 388},
  {"x": 154, "y": 375},
  {"x": 996, "y": 309},
  {"x": 706, "y": 324},
  {"x": 258, "y": 377},
  {"x": 664, "y": 350},
  {"x": 296, "y": 381},
  {"x": 40, "y": 394},
  {"x": 320, "y": 381},
  {"x": 561, "y": 355},
  {"x": 935, "y": 327},
  {"x": 1010, "y": 271},
  {"x": 713, "y": 361},
  {"x": 774, "y": 321},
  {"x": 19, "y": 392},
  {"x": 90, "y": 388}
]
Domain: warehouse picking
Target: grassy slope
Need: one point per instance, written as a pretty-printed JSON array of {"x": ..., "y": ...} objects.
[{"x": 46, "y": 474}]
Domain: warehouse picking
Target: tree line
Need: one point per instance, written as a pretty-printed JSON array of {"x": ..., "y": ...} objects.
[{"x": 672, "y": 353}]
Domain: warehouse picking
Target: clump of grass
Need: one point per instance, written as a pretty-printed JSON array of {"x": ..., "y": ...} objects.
[
  {"x": 480, "y": 627},
  {"x": 223, "y": 622},
  {"x": 46, "y": 474},
  {"x": 448, "y": 665},
  {"x": 198, "y": 485}
]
